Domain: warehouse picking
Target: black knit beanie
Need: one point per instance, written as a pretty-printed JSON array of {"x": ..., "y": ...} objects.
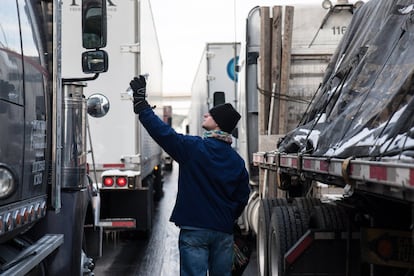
[{"x": 225, "y": 116}]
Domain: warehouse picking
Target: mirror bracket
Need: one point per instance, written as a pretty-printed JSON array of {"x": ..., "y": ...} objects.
[{"x": 80, "y": 79}]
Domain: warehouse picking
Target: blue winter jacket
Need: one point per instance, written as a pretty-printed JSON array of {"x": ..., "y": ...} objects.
[{"x": 213, "y": 181}]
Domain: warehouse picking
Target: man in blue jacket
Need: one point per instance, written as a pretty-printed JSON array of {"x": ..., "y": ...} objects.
[{"x": 212, "y": 185}]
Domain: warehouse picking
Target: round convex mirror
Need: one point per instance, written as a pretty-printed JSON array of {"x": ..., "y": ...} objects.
[{"x": 97, "y": 105}]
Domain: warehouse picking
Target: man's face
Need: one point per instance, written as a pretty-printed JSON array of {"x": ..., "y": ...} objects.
[{"x": 209, "y": 123}]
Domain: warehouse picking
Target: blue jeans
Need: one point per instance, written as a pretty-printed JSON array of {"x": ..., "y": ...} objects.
[{"x": 202, "y": 250}]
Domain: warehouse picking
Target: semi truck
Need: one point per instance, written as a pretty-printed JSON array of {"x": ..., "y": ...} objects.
[
  {"x": 125, "y": 161},
  {"x": 356, "y": 138},
  {"x": 215, "y": 81},
  {"x": 45, "y": 192},
  {"x": 284, "y": 54}
]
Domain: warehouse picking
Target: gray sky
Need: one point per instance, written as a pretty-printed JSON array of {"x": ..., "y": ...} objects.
[{"x": 185, "y": 26}]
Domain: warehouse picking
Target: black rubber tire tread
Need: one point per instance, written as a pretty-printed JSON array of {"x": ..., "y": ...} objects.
[
  {"x": 305, "y": 207},
  {"x": 265, "y": 212},
  {"x": 307, "y": 203},
  {"x": 329, "y": 217},
  {"x": 286, "y": 227},
  {"x": 158, "y": 185}
]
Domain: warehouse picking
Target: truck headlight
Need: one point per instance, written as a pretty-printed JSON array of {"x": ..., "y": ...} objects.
[{"x": 7, "y": 183}]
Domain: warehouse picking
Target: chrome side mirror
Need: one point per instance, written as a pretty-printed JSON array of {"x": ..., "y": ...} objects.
[
  {"x": 97, "y": 105},
  {"x": 94, "y": 62},
  {"x": 94, "y": 24}
]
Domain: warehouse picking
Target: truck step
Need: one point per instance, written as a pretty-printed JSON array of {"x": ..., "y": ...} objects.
[{"x": 32, "y": 255}]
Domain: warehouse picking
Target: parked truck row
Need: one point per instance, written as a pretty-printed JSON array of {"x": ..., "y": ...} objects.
[{"x": 354, "y": 138}]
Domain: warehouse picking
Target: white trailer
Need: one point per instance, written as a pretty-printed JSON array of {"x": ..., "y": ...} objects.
[
  {"x": 215, "y": 81},
  {"x": 126, "y": 160}
]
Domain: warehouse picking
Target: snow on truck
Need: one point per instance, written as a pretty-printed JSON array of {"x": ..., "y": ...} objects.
[
  {"x": 125, "y": 161},
  {"x": 356, "y": 137},
  {"x": 45, "y": 194}
]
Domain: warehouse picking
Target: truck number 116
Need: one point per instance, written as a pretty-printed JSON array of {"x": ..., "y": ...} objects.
[{"x": 338, "y": 30}]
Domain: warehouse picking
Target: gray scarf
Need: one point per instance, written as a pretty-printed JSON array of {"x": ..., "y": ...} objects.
[{"x": 218, "y": 134}]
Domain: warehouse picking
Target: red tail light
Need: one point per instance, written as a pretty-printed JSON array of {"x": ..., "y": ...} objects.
[
  {"x": 121, "y": 181},
  {"x": 108, "y": 181}
]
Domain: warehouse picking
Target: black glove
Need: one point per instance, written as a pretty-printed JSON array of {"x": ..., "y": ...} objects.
[{"x": 138, "y": 85}]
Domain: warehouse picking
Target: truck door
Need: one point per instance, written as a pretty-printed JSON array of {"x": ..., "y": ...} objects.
[
  {"x": 11, "y": 96},
  {"x": 35, "y": 112},
  {"x": 22, "y": 101}
]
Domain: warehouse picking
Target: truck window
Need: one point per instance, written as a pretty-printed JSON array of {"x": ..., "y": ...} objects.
[
  {"x": 34, "y": 71},
  {"x": 219, "y": 97},
  {"x": 11, "y": 85}
]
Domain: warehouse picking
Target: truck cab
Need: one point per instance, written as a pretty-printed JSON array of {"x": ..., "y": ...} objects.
[
  {"x": 24, "y": 112},
  {"x": 43, "y": 171}
]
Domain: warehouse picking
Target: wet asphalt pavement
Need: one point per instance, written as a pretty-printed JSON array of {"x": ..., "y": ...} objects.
[{"x": 155, "y": 255}]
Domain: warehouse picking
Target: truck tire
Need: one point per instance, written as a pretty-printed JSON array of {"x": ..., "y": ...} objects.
[
  {"x": 150, "y": 209},
  {"x": 265, "y": 211},
  {"x": 329, "y": 217},
  {"x": 92, "y": 241},
  {"x": 158, "y": 184},
  {"x": 286, "y": 227},
  {"x": 251, "y": 213},
  {"x": 306, "y": 207}
]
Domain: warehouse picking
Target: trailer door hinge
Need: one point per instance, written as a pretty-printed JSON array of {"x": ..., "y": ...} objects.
[{"x": 131, "y": 48}]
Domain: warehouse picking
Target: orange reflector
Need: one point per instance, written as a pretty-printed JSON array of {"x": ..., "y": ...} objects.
[
  {"x": 18, "y": 219},
  {"x": 121, "y": 181},
  {"x": 108, "y": 181},
  {"x": 9, "y": 222},
  {"x": 26, "y": 216}
]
